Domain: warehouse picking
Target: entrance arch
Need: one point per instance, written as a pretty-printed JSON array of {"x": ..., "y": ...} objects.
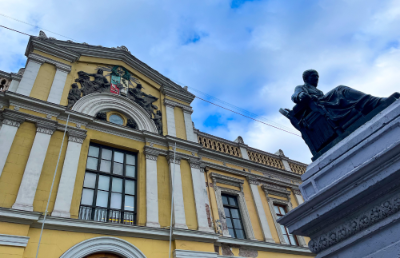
[
  {"x": 103, "y": 255},
  {"x": 107, "y": 245}
]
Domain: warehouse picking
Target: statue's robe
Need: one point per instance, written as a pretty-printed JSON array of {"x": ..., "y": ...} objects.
[{"x": 341, "y": 103}]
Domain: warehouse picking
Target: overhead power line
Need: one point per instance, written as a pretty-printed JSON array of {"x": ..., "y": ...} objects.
[
  {"x": 27, "y": 23},
  {"x": 15, "y": 30}
]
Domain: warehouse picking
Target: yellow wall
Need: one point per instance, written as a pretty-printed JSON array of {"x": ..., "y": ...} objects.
[
  {"x": 43, "y": 82},
  {"x": 179, "y": 123},
  {"x": 11, "y": 177},
  {"x": 188, "y": 195},
  {"x": 164, "y": 194},
  {"x": 11, "y": 251}
]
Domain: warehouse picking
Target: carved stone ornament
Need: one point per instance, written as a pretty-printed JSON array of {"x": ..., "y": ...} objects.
[
  {"x": 132, "y": 124},
  {"x": 171, "y": 161},
  {"x": 42, "y": 35},
  {"x": 76, "y": 139},
  {"x": 253, "y": 181},
  {"x": 326, "y": 119},
  {"x": 102, "y": 116},
  {"x": 356, "y": 224},
  {"x": 45, "y": 130},
  {"x": 11, "y": 123},
  {"x": 151, "y": 157},
  {"x": 195, "y": 165},
  {"x": 296, "y": 191}
]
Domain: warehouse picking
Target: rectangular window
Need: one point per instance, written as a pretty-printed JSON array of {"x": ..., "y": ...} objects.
[
  {"x": 233, "y": 218},
  {"x": 289, "y": 238},
  {"x": 109, "y": 187}
]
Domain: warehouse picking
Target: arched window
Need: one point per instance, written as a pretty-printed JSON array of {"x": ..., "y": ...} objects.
[{"x": 116, "y": 119}]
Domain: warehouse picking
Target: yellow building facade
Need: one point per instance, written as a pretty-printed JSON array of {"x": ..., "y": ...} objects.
[{"x": 112, "y": 141}]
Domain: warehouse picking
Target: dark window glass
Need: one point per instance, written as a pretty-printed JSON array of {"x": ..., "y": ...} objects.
[
  {"x": 289, "y": 238},
  {"x": 232, "y": 214},
  {"x": 109, "y": 187}
]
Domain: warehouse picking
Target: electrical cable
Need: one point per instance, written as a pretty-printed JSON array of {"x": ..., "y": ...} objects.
[
  {"x": 16, "y": 30},
  {"x": 34, "y": 26},
  {"x": 51, "y": 188}
]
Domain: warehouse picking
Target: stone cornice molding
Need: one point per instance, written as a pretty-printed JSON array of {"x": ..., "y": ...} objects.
[
  {"x": 12, "y": 118},
  {"x": 227, "y": 180},
  {"x": 5, "y": 75},
  {"x": 12, "y": 240},
  {"x": 275, "y": 190},
  {"x": 46, "y": 46},
  {"x": 171, "y": 103},
  {"x": 16, "y": 77},
  {"x": 152, "y": 151},
  {"x": 41, "y": 59},
  {"x": 178, "y": 94}
]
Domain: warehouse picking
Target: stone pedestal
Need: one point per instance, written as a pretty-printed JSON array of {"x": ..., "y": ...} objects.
[{"x": 352, "y": 193}]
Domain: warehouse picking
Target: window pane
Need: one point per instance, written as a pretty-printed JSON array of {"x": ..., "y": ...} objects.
[
  {"x": 118, "y": 157},
  {"x": 116, "y": 119},
  {"x": 239, "y": 234},
  {"x": 106, "y": 154},
  {"x": 130, "y": 159},
  {"x": 231, "y": 232},
  {"x": 227, "y": 214},
  {"x": 224, "y": 200},
  {"x": 282, "y": 210},
  {"x": 232, "y": 201},
  {"x": 129, "y": 203},
  {"x": 130, "y": 187},
  {"x": 292, "y": 241},
  {"x": 90, "y": 180},
  {"x": 116, "y": 201},
  {"x": 104, "y": 183},
  {"x": 286, "y": 239},
  {"x": 237, "y": 224},
  {"x": 91, "y": 163},
  {"x": 130, "y": 171},
  {"x": 229, "y": 223},
  {"x": 276, "y": 209},
  {"x": 117, "y": 185},
  {"x": 235, "y": 213},
  {"x": 94, "y": 151},
  {"x": 105, "y": 166},
  {"x": 102, "y": 199},
  {"x": 87, "y": 197},
  {"x": 283, "y": 229},
  {"x": 118, "y": 168}
]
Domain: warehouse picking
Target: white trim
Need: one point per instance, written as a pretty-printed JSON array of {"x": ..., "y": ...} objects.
[
  {"x": 13, "y": 240},
  {"x": 28, "y": 79},
  {"x": 171, "y": 129},
  {"x": 93, "y": 103},
  {"x": 103, "y": 244},
  {"x": 193, "y": 254}
]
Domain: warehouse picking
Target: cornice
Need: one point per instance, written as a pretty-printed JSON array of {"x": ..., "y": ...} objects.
[
  {"x": 16, "y": 77},
  {"x": 5, "y": 75},
  {"x": 227, "y": 180},
  {"x": 59, "y": 65},
  {"x": 47, "y": 46},
  {"x": 148, "y": 150},
  {"x": 18, "y": 216},
  {"x": 12, "y": 240},
  {"x": 186, "y": 108}
]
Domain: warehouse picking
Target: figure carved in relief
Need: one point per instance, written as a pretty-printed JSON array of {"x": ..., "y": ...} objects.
[
  {"x": 158, "y": 121},
  {"x": 99, "y": 84},
  {"x": 144, "y": 100},
  {"x": 74, "y": 95},
  {"x": 132, "y": 124}
]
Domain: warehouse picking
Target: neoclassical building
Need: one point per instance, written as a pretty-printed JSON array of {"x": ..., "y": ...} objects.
[{"x": 115, "y": 139}]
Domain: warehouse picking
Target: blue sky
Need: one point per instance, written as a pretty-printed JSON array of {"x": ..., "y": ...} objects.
[{"x": 248, "y": 53}]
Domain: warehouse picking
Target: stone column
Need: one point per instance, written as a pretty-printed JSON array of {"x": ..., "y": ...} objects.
[
  {"x": 65, "y": 190},
  {"x": 16, "y": 78},
  {"x": 297, "y": 194},
  {"x": 58, "y": 85},
  {"x": 151, "y": 190},
  {"x": 7, "y": 134},
  {"x": 176, "y": 183},
  {"x": 198, "y": 188},
  {"x": 170, "y": 119},
  {"x": 33, "y": 169},
  {"x": 260, "y": 210},
  {"x": 29, "y": 77},
  {"x": 187, "y": 115}
]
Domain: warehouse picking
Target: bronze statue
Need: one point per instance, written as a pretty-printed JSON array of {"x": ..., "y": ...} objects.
[
  {"x": 324, "y": 120},
  {"x": 74, "y": 95},
  {"x": 144, "y": 100},
  {"x": 132, "y": 124},
  {"x": 99, "y": 84}
]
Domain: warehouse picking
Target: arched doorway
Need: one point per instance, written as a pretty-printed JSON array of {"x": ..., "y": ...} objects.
[{"x": 103, "y": 255}]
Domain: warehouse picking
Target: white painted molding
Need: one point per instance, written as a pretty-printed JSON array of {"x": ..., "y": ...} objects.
[
  {"x": 13, "y": 240},
  {"x": 7, "y": 134},
  {"x": 171, "y": 129},
  {"x": 93, "y": 103},
  {"x": 193, "y": 254},
  {"x": 103, "y": 244},
  {"x": 28, "y": 79}
]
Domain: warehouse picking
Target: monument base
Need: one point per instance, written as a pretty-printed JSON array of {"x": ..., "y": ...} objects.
[{"x": 352, "y": 193}]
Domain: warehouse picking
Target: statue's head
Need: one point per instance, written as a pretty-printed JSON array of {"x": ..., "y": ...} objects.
[
  {"x": 311, "y": 77},
  {"x": 74, "y": 85},
  {"x": 99, "y": 71},
  {"x": 139, "y": 86}
]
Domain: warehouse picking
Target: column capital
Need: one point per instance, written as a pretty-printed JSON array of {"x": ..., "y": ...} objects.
[
  {"x": 12, "y": 122},
  {"x": 171, "y": 160},
  {"x": 76, "y": 135},
  {"x": 194, "y": 162},
  {"x": 45, "y": 127},
  {"x": 151, "y": 156},
  {"x": 296, "y": 190},
  {"x": 253, "y": 180},
  {"x": 41, "y": 59}
]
